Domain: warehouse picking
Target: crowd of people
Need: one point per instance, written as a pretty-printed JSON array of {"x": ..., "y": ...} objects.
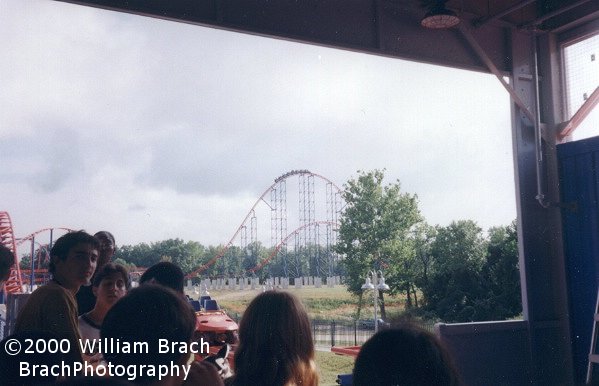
[{"x": 100, "y": 323}]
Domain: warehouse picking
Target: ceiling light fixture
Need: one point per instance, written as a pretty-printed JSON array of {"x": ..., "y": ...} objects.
[{"x": 439, "y": 17}]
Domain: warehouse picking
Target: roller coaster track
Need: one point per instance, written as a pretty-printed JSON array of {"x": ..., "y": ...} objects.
[
  {"x": 282, "y": 243},
  {"x": 21, "y": 240},
  {"x": 251, "y": 212},
  {"x": 14, "y": 284}
]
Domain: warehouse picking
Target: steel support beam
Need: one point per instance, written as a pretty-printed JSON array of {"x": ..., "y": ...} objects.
[{"x": 542, "y": 265}]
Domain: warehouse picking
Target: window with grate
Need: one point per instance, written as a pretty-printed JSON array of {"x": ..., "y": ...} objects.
[{"x": 581, "y": 69}]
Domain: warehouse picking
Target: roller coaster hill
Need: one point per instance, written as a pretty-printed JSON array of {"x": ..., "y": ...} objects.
[
  {"x": 312, "y": 213},
  {"x": 307, "y": 250}
]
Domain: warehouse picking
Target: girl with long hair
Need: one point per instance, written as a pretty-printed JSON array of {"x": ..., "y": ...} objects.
[{"x": 275, "y": 343}]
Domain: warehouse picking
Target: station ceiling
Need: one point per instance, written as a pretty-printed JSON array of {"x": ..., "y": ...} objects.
[{"x": 383, "y": 27}]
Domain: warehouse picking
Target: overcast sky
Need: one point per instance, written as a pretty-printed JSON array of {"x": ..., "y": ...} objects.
[{"x": 154, "y": 129}]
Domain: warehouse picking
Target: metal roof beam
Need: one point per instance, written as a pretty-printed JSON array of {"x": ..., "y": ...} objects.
[
  {"x": 485, "y": 20},
  {"x": 380, "y": 27}
]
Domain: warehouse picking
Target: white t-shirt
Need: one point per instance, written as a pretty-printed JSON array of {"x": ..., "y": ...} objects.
[{"x": 90, "y": 331}]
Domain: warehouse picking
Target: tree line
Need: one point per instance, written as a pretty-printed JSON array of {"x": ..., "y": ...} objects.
[
  {"x": 454, "y": 273},
  {"x": 190, "y": 255}
]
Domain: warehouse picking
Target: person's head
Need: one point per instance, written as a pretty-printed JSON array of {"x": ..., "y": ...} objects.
[
  {"x": 7, "y": 259},
  {"x": 107, "y": 247},
  {"x": 110, "y": 284},
  {"x": 164, "y": 273},
  {"x": 407, "y": 355},
  {"x": 275, "y": 343},
  {"x": 145, "y": 315},
  {"x": 73, "y": 258}
]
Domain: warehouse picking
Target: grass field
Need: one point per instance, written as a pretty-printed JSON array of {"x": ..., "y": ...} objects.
[
  {"x": 330, "y": 365},
  {"x": 321, "y": 303}
]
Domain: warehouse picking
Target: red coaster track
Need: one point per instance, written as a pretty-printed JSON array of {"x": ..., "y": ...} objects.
[
  {"x": 281, "y": 232},
  {"x": 14, "y": 284}
]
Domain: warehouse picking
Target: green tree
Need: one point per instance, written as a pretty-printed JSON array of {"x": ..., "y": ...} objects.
[
  {"x": 424, "y": 237},
  {"x": 228, "y": 264},
  {"x": 453, "y": 287},
  {"x": 41, "y": 258},
  {"x": 501, "y": 275},
  {"x": 141, "y": 254},
  {"x": 175, "y": 251},
  {"x": 374, "y": 232},
  {"x": 251, "y": 255},
  {"x": 130, "y": 266},
  {"x": 25, "y": 261}
]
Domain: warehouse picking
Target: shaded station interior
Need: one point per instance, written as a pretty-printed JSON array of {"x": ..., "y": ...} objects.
[{"x": 520, "y": 42}]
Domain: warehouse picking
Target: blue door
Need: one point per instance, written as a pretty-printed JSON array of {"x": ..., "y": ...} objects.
[{"x": 579, "y": 183}]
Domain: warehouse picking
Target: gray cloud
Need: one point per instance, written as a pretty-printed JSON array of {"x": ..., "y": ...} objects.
[
  {"x": 136, "y": 208},
  {"x": 62, "y": 161},
  {"x": 46, "y": 162}
]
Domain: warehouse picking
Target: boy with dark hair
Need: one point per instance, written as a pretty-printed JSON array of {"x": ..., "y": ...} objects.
[
  {"x": 52, "y": 307},
  {"x": 110, "y": 283},
  {"x": 165, "y": 273}
]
